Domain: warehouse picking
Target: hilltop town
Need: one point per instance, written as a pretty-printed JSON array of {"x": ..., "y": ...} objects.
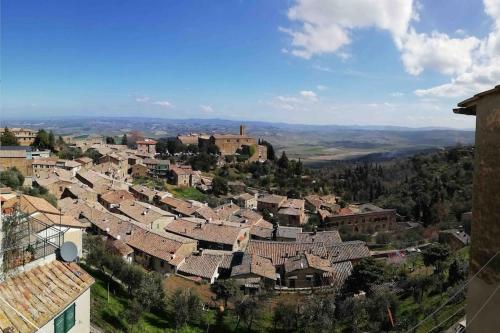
[{"x": 219, "y": 210}]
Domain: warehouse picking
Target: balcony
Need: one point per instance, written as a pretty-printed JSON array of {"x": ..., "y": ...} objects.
[{"x": 26, "y": 239}]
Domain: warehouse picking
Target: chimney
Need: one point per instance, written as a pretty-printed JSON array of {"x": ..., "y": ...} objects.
[{"x": 242, "y": 129}]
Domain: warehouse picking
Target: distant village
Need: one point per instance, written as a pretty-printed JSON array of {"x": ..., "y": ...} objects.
[{"x": 150, "y": 226}]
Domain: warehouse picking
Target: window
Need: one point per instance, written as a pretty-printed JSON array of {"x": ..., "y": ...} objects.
[{"x": 65, "y": 321}]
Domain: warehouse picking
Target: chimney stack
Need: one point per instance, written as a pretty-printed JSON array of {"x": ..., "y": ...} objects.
[{"x": 242, "y": 129}]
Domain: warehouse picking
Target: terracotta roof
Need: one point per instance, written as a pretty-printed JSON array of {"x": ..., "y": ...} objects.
[
  {"x": 204, "y": 231},
  {"x": 162, "y": 245},
  {"x": 29, "y": 205},
  {"x": 205, "y": 265},
  {"x": 116, "y": 197},
  {"x": 40, "y": 294},
  {"x": 272, "y": 199},
  {"x": 84, "y": 160},
  {"x": 226, "y": 210},
  {"x": 207, "y": 213},
  {"x": 293, "y": 203},
  {"x": 62, "y": 220},
  {"x": 327, "y": 237},
  {"x": 142, "y": 213},
  {"x": 345, "y": 211},
  {"x": 278, "y": 252},
  {"x": 254, "y": 264},
  {"x": 181, "y": 170},
  {"x": 143, "y": 189},
  {"x": 307, "y": 260},
  {"x": 352, "y": 250},
  {"x": 120, "y": 247},
  {"x": 227, "y": 257}
]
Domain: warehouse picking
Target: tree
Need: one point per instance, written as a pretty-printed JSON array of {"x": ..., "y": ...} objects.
[
  {"x": 187, "y": 307},
  {"x": 283, "y": 161},
  {"x": 285, "y": 316},
  {"x": 8, "y": 138},
  {"x": 42, "y": 140},
  {"x": 246, "y": 309},
  {"x": 151, "y": 293},
  {"x": 69, "y": 153},
  {"x": 11, "y": 178},
  {"x": 132, "y": 276},
  {"x": 364, "y": 275},
  {"x": 93, "y": 154},
  {"x": 124, "y": 140},
  {"x": 378, "y": 306},
  {"x": 319, "y": 314},
  {"x": 52, "y": 140},
  {"x": 225, "y": 289},
  {"x": 434, "y": 255},
  {"x": 110, "y": 140},
  {"x": 456, "y": 272},
  {"x": 114, "y": 264},
  {"x": 94, "y": 246},
  {"x": 270, "y": 150},
  {"x": 219, "y": 186},
  {"x": 134, "y": 311}
]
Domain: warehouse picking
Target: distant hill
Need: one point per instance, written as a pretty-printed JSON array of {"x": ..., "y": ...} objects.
[{"x": 312, "y": 143}]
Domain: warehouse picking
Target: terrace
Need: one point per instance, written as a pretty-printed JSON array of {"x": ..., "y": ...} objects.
[{"x": 26, "y": 239}]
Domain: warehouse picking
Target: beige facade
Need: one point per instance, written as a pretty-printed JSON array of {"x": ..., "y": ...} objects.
[
  {"x": 25, "y": 136},
  {"x": 364, "y": 222},
  {"x": 10, "y": 158}
]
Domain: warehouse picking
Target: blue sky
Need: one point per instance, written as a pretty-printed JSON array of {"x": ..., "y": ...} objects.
[{"x": 384, "y": 62}]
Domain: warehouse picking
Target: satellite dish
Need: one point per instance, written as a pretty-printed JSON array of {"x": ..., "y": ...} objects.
[{"x": 69, "y": 252}]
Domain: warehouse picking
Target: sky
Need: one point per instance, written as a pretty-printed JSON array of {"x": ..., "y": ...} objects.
[{"x": 357, "y": 62}]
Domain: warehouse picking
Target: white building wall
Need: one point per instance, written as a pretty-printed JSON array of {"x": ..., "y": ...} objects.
[{"x": 82, "y": 316}]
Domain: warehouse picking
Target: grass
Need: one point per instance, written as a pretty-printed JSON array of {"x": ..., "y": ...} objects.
[
  {"x": 174, "y": 282},
  {"x": 110, "y": 313},
  {"x": 187, "y": 193}
]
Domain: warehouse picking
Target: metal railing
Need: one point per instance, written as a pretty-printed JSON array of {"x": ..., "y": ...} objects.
[{"x": 26, "y": 239}]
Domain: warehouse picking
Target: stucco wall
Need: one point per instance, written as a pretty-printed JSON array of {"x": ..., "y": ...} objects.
[
  {"x": 82, "y": 316},
  {"x": 485, "y": 235}
]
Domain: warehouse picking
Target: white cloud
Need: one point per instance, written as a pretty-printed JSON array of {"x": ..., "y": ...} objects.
[
  {"x": 165, "y": 104},
  {"x": 397, "y": 94},
  {"x": 484, "y": 70},
  {"x": 302, "y": 101},
  {"x": 142, "y": 99},
  {"x": 147, "y": 100},
  {"x": 436, "y": 51},
  {"x": 321, "y": 87},
  {"x": 308, "y": 94},
  {"x": 325, "y": 25},
  {"x": 206, "y": 108}
]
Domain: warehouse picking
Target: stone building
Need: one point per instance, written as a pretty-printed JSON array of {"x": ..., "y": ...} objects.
[
  {"x": 146, "y": 146},
  {"x": 25, "y": 136},
  {"x": 483, "y": 298},
  {"x": 228, "y": 144},
  {"x": 364, "y": 218},
  {"x": 15, "y": 156}
]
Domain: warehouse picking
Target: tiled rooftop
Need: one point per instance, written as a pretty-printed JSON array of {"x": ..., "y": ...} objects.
[{"x": 40, "y": 294}]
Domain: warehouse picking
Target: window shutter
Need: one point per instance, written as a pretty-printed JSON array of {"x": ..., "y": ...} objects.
[
  {"x": 59, "y": 324},
  {"x": 69, "y": 317}
]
